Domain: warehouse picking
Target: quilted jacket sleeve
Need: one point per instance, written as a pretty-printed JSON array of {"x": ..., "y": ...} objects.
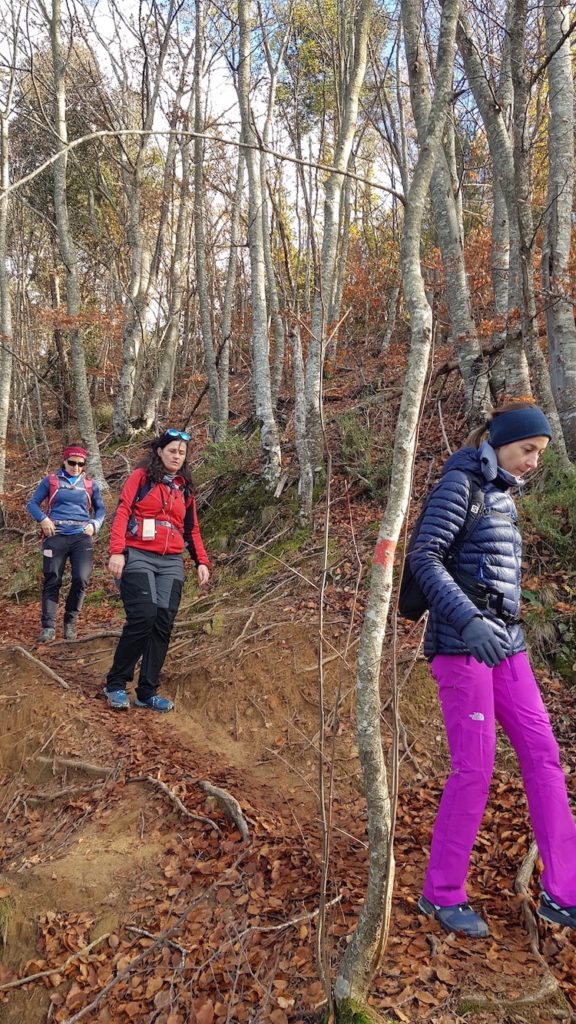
[{"x": 443, "y": 518}]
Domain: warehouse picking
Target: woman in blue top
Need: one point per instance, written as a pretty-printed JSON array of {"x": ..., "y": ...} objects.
[
  {"x": 476, "y": 645},
  {"x": 73, "y": 514}
]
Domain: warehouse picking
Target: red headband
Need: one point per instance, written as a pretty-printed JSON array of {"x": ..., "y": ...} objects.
[{"x": 75, "y": 450}]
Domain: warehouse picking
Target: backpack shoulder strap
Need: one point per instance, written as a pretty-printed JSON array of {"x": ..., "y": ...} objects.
[
  {"x": 54, "y": 484},
  {"x": 89, "y": 488},
  {"x": 476, "y": 506}
]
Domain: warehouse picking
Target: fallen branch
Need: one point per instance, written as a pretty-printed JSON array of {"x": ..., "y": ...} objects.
[
  {"x": 160, "y": 941},
  {"x": 40, "y": 664},
  {"x": 229, "y": 805},
  {"x": 91, "y": 636},
  {"x": 77, "y": 766},
  {"x": 176, "y": 801},
  {"x": 55, "y": 970}
]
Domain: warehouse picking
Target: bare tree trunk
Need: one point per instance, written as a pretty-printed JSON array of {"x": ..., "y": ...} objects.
[
  {"x": 306, "y": 482},
  {"x": 558, "y": 220},
  {"x": 515, "y": 371},
  {"x": 163, "y": 381},
  {"x": 269, "y": 438},
  {"x": 354, "y": 31},
  {"x": 227, "y": 305},
  {"x": 6, "y": 359},
  {"x": 68, "y": 252},
  {"x": 274, "y": 64},
  {"x": 523, "y": 191},
  {"x": 364, "y": 952},
  {"x": 204, "y": 304},
  {"x": 447, "y": 218}
]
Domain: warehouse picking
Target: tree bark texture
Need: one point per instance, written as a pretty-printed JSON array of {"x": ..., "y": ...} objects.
[
  {"x": 353, "y": 68},
  {"x": 365, "y": 950},
  {"x": 449, "y": 229},
  {"x": 269, "y": 437},
  {"x": 68, "y": 252},
  {"x": 558, "y": 220}
]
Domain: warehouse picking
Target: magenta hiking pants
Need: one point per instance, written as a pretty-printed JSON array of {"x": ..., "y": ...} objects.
[{"x": 473, "y": 698}]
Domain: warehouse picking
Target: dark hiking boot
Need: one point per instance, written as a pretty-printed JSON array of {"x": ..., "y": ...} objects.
[
  {"x": 458, "y": 918},
  {"x": 549, "y": 910}
]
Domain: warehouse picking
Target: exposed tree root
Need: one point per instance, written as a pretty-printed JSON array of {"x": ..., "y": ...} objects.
[
  {"x": 230, "y": 806},
  {"x": 176, "y": 801},
  {"x": 549, "y": 990},
  {"x": 40, "y": 664}
]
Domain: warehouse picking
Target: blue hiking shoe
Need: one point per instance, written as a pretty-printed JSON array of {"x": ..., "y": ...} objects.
[
  {"x": 549, "y": 910},
  {"x": 458, "y": 918},
  {"x": 155, "y": 703},
  {"x": 117, "y": 699}
]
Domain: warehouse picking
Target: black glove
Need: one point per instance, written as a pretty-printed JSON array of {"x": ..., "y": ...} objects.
[{"x": 483, "y": 643}]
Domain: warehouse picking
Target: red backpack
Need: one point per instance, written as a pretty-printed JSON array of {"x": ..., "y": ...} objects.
[{"x": 55, "y": 483}]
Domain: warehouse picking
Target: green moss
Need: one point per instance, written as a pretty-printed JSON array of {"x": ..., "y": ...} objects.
[
  {"x": 550, "y": 510},
  {"x": 365, "y": 453},
  {"x": 349, "y": 1011}
]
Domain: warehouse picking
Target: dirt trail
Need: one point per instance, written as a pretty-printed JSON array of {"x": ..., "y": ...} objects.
[{"x": 92, "y": 855}]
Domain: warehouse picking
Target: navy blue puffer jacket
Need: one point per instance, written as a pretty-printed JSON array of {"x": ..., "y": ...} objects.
[{"x": 491, "y": 554}]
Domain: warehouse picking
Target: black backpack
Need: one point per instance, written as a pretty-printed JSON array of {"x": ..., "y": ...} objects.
[{"x": 411, "y": 602}]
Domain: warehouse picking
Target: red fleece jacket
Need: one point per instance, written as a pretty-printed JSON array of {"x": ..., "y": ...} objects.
[{"x": 165, "y": 504}]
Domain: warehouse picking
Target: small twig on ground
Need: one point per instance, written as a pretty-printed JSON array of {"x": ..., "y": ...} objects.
[
  {"x": 176, "y": 801},
  {"x": 68, "y": 791},
  {"x": 149, "y": 935},
  {"x": 77, "y": 766},
  {"x": 160, "y": 941},
  {"x": 229, "y": 805},
  {"x": 55, "y": 970},
  {"x": 40, "y": 664}
]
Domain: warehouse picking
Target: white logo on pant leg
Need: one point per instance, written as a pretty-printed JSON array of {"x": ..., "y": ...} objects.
[{"x": 477, "y": 716}]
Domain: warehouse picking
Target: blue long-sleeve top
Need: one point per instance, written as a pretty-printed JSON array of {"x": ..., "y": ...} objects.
[{"x": 72, "y": 507}]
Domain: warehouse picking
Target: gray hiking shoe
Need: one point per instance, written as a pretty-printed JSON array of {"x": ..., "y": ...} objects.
[
  {"x": 70, "y": 631},
  {"x": 47, "y": 635}
]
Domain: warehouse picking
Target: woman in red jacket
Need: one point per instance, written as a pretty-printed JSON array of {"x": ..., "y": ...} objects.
[{"x": 155, "y": 519}]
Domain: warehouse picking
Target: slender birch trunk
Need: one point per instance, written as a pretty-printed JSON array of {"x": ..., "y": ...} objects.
[
  {"x": 164, "y": 376},
  {"x": 274, "y": 64},
  {"x": 306, "y": 482},
  {"x": 516, "y": 377},
  {"x": 523, "y": 192},
  {"x": 6, "y": 359},
  {"x": 228, "y": 303},
  {"x": 364, "y": 952},
  {"x": 354, "y": 43},
  {"x": 204, "y": 304},
  {"x": 68, "y": 251},
  {"x": 448, "y": 221},
  {"x": 261, "y": 382},
  {"x": 558, "y": 220}
]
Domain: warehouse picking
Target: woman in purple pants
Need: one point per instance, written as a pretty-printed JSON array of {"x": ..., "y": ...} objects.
[{"x": 477, "y": 649}]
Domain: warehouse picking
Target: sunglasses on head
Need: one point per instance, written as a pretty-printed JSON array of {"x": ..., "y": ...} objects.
[
  {"x": 178, "y": 433},
  {"x": 72, "y": 462}
]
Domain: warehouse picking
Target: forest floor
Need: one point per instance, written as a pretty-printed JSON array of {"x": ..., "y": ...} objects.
[{"x": 128, "y": 894}]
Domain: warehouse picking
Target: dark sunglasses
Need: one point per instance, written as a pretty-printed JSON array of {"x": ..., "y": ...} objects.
[
  {"x": 72, "y": 462},
  {"x": 178, "y": 433}
]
